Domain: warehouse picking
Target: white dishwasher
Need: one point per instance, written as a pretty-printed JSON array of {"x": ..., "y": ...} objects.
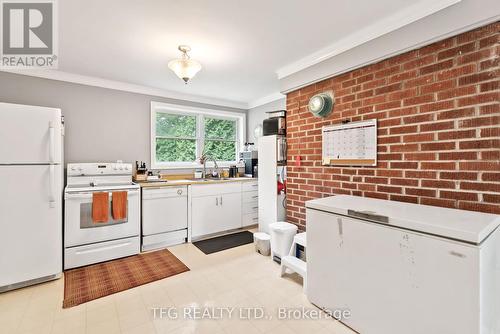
[
  {"x": 164, "y": 216},
  {"x": 403, "y": 268}
]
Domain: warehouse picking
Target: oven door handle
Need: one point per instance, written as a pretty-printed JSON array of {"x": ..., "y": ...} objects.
[{"x": 89, "y": 195}]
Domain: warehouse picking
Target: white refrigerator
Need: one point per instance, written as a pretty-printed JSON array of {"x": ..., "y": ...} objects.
[{"x": 31, "y": 183}]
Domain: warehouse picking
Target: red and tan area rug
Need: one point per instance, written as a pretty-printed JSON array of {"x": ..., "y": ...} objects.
[{"x": 98, "y": 280}]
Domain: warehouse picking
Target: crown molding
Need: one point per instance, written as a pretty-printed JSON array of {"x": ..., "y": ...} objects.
[
  {"x": 400, "y": 19},
  {"x": 290, "y": 88},
  {"x": 126, "y": 87},
  {"x": 266, "y": 99}
]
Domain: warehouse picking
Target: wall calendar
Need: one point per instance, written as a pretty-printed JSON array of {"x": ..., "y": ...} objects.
[{"x": 350, "y": 144}]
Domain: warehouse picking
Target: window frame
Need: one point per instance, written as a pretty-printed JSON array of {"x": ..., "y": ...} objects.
[{"x": 200, "y": 113}]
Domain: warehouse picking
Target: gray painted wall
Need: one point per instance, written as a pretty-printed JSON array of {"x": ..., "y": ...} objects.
[
  {"x": 101, "y": 124},
  {"x": 258, "y": 114}
]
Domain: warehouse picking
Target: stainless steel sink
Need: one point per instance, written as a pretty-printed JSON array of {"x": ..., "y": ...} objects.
[{"x": 211, "y": 179}]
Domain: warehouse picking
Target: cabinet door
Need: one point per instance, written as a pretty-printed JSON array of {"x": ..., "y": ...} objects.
[
  {"x": 230, "y": 205},
  {"x": 205, "y": 215}
]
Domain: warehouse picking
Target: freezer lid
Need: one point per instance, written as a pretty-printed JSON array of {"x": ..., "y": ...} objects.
[{"x": 467, "y": 226}]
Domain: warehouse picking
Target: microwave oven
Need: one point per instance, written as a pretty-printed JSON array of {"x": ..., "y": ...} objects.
[{"x": 274, "y": 126}]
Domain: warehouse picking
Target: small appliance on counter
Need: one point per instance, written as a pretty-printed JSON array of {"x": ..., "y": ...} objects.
[
  {"x": 151, "y": 177},
  {"x": 250, "y": 158},
  {"x": 240, "y": 166},
  {"x": 233, "y": 171}
]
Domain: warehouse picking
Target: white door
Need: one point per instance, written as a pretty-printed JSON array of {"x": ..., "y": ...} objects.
[
  {"x": 205, "y": 215},
  {"x": 164, "y": 210},
  {"x": 30, "y": 222},
  {"x": 30, "y": 134},
  {"x": 230, "y": 205}
]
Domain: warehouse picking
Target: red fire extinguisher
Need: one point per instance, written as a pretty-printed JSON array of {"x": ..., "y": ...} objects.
[{"x": 281, "y": 187}]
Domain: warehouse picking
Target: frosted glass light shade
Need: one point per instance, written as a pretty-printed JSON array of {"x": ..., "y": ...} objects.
[{"x": 185, "y": 69}]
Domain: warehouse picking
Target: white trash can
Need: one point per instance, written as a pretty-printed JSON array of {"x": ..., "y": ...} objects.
[
  {"x": 282, "y": 234},
  {"x": 262, "y": 242}
]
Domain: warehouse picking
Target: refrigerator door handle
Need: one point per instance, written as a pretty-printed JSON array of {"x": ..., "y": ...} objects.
[
  {"x": 52, "y": 186},
  {"x": 51, "y": 142}
]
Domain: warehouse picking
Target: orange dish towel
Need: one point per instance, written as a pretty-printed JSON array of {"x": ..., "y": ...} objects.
[
  {"x": 100, "y": 207},
  {"x": 119, "y": 205}
]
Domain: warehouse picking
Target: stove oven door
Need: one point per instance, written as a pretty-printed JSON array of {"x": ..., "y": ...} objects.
[{"x": 79, "y": 229}]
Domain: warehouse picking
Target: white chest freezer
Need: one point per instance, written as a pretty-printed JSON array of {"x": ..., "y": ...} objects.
[{"x": 402, "y": 268}]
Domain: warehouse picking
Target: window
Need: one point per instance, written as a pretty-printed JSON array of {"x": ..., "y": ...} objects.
[
  {"x": 220, "y": 138},
  {"x": 180, "y": 135}
]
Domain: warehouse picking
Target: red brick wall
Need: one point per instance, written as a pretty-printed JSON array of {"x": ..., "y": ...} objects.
[{"x": 438, "y": 111}]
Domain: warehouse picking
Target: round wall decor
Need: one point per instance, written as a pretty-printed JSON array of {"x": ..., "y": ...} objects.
[
  {"x": 321, "y": 105},
  {"x": 258, "y": 131}
]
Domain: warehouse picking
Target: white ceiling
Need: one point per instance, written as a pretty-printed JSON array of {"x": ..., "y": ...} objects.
[{"x": 241, "y": 44}]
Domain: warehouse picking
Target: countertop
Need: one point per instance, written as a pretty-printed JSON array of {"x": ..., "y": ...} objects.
[{"x": 182, "y": 182}]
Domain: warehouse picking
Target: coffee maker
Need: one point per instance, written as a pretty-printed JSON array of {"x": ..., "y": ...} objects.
[{"x": 250, "y": 158}]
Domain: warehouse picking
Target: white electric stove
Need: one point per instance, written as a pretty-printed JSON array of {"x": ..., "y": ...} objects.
[{"x": 85, "y": 241}]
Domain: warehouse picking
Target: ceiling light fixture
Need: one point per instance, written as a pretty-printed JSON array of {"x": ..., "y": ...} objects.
[{"x": 185, "y": 67}]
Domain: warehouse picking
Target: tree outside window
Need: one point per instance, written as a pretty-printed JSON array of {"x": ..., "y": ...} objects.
[{"x": 184, "y": 137}]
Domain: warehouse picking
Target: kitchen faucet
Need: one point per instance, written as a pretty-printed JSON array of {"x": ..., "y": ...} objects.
[{"x": 207, "y": 157}]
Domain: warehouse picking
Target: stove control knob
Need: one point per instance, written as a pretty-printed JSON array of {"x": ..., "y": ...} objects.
[
  {"x": 121, "y": 168},
  {"x": 126, "y": 167}
]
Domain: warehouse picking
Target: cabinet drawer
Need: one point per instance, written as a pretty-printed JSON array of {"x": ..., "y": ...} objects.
[
  {"x": 250, "y": 207},
  {"x": 199, "y": 190},
  {"x": 101, "y": 251},
  {"x": 250, "y": 196},
  {"x": 249, "y": 186},
  {"x": 249, "y": 219}
]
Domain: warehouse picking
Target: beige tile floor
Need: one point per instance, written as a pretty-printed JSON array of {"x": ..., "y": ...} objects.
[{"x": 238, "y": 278}]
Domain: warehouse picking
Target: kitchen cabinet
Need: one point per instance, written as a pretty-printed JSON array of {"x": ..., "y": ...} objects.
[
  {"x": 249, "y": 203},
  {"x": 390, "y": 263},
  {"x": 164, "y": 216},
  {"x": 215, "y": 208}
]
